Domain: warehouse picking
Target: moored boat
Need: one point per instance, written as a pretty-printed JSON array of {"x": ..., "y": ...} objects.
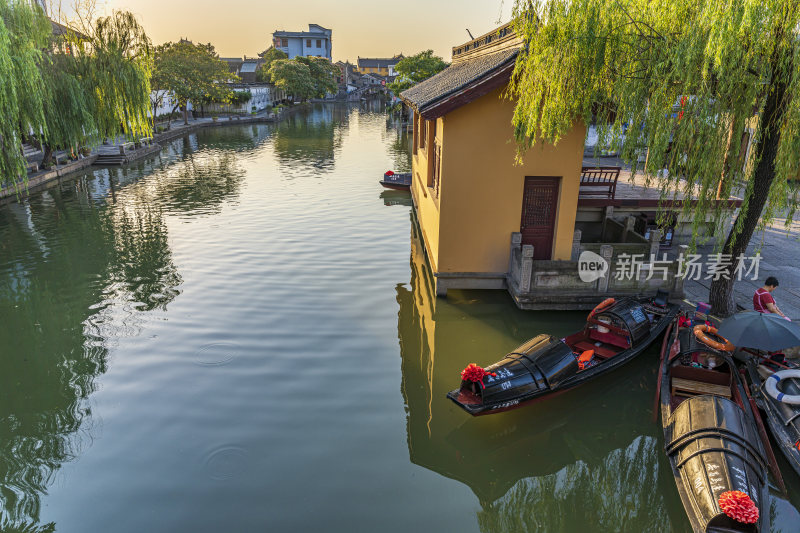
[
  {"x": 615, "y": 333},
  {"x": 711, "y": 434},
  {"x": 392, "y": 180},
  {"x": 776, "y": 389}
]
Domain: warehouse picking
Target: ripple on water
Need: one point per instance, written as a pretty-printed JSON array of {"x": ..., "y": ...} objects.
[
  {"x": 216, "y": 354},
  {"x": 226, "y": 462}
]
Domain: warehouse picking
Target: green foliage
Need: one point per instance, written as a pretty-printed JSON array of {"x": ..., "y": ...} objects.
[
  {"x": 414, "y": 69},
  {"x": 323, "y": 75},
  {"x": 24, "y": 33},
  {"x": 191, "y": 72},
  {"x": 684, "y": 77},
  {"x": 294, "y": 77},
  {"x": 269, "y": 55},
  {"x": 70, "y": 89},
  {"x": 241, "y": 97}
]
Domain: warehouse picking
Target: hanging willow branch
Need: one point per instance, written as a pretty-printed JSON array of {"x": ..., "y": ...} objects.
[{"x": 682, "y": 80}]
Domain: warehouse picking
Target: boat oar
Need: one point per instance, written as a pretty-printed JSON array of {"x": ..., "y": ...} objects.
[
  {"x": 661, "y": 370},
  {"x": 773, "y": 463}
]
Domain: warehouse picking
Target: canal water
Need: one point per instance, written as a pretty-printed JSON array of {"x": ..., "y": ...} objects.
[{"x": 241, "y": 335}]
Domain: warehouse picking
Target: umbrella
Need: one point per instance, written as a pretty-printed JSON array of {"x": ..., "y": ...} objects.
[{"x": 761, "y": 331}]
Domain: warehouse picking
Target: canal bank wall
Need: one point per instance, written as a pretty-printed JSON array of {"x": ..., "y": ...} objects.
[{"x": 40, "y": 180}]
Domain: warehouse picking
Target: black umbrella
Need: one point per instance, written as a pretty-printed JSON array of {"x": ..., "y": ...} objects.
[{"x": 761, "y": 331}]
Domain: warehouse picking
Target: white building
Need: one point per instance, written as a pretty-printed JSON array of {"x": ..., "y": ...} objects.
[{"x": 316, "y": 42}]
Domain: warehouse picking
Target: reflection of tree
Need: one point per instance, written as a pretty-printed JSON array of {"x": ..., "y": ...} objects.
[
  {"x": 400, "y": 145},
  {"x": 311, "y": 136},
  {"x": 199, "y": 184},
  {"x": 615, "y": 494},
  {"x": 593, "y": 448},
  {"x": 67, "y": 262}
]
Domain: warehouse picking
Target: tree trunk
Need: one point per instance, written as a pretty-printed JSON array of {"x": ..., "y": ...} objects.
[
  {"x": 185, "y": 110},
  {"x": 721, "y": 293},
  {"x": 727, "y": 164},
  {"x": 47, "y": 155},
  {"x": 169, "y": 118}
]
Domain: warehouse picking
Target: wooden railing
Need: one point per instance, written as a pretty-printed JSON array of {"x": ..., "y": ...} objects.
[{"x": 599, "y": 181}]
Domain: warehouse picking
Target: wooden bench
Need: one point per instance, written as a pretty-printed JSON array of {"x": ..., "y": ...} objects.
[
  {"x": 601, "y": 181},
  {"x": 688, "y": 387}
]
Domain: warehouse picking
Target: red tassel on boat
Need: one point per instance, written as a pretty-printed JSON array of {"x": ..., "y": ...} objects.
[
  {"x": 738, "y": 506},
  {"x": 475, "y": 374}
]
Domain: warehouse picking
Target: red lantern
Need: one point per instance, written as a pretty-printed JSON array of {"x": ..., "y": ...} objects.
[{"x": 738, "y": 506}]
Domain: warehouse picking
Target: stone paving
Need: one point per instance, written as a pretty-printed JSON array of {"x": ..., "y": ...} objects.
[{"x": 779, "y": 247}]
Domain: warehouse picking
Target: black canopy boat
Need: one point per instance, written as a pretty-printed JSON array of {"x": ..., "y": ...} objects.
[
  {"x": 776, "y": 390},
  {"x": 615, "y": 333},
  {"x": 712, "y": 439},
  {"x": 400, "y": 182}
]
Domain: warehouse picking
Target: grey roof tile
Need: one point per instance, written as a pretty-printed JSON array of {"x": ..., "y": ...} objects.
[{"x": 457, "y": 76}]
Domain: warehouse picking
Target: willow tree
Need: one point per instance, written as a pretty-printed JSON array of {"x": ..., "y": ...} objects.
[
  {"x": 683, "y": 80},
  {"x": 68, "y": 89},
  {"x": 24, "y": 33}
]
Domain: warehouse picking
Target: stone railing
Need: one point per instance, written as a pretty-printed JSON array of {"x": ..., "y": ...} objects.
[{"x": 548, "y": 284}]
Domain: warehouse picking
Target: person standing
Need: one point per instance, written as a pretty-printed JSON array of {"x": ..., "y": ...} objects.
[{"x": 763, "y": 302}]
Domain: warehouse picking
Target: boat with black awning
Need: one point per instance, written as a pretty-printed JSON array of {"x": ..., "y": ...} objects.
[
  {"x": 615, "y": 333},
  {"x": 712, "y": 440},
  {"x": 776, "y": 389}
]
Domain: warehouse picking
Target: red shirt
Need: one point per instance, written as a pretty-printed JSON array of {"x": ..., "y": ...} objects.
[{"x": 761, "y": 298}]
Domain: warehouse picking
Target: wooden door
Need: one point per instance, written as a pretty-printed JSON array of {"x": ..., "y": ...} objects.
[{"x": 539, "y": 206}]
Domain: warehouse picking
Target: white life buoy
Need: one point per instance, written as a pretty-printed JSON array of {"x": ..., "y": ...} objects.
[{"x": 772, "y": 386}]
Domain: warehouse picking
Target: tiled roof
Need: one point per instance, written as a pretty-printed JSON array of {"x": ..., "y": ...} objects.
[
  {"x": 456, "y": 77},
  {"x": 378, "y": 62}
]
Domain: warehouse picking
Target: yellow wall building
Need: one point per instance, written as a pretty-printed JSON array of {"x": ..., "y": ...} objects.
[
  {"x": 379, "y": 66},
  {"x": 469, "y": 193}
]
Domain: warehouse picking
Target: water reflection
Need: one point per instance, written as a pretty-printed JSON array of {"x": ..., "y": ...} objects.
[
  {"x": 53, "y": 337},
  {"x": 81, "y": 265},
  {"x": 311, "y": 137},
  {"x": 586, "y": 461}
]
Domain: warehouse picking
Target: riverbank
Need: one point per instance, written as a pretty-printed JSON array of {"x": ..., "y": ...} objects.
[{"x": 39, "y": 180}]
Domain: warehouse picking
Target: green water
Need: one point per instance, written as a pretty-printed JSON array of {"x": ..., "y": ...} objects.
[{"x": 240, "y": 335}]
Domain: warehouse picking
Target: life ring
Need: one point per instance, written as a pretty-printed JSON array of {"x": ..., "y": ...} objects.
[
  {"x": 602, "y": 306},
  {"x": 772, "y": 386},
  {"x": 702, "y": 332}
]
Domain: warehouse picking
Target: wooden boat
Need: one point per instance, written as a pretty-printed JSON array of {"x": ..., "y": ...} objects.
[
  {"x": 615, "y": 333},
  {"x": 712, "y": 439},
  {"x": 782, "y": 417},
  {"x": 400, "y": 182}
]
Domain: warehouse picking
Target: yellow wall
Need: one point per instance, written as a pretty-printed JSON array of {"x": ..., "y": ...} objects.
[
  {"x": 427, "y": 205},
  {"x": 374, "y": 70},
  {"x": 469, "y": 229}
]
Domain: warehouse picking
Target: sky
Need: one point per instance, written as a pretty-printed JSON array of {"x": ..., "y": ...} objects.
[{"x": 366, "y": 28}]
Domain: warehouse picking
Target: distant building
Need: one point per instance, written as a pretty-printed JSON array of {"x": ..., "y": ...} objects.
[
  {"x": 316, "y": 42},
  {"x": 245, "y": 67},
  {"x": 377, "y": 65}
]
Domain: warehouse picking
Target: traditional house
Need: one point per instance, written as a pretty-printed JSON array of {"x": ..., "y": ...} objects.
[
  {"x": 316, "y": 42},
  {"x": 377, "y": 65},
  {"x": 489, "y": 221}
]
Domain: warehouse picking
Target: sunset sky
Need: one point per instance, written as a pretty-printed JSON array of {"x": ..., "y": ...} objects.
[{"x": 365, "y": 28}]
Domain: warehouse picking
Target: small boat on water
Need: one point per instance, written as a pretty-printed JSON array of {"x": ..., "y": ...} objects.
[
  {"x": 776, "y": 390},
  {"x": 616, "y": 331},
  {"x": 401, "y": 181},
  {"x": 712, "y": 437}
]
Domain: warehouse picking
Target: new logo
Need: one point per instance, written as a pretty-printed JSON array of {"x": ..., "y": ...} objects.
[{"x": 591, "y": 266}]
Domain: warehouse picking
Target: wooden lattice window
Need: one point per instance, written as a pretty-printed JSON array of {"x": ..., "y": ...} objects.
[
  {"x": 437, "y": 169},
  {"x": 423, "y": 132}
]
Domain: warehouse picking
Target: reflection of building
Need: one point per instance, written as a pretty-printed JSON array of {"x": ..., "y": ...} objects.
[
  {"x": 568, "y": 451},
  {"x": 316, "y": 42}
]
